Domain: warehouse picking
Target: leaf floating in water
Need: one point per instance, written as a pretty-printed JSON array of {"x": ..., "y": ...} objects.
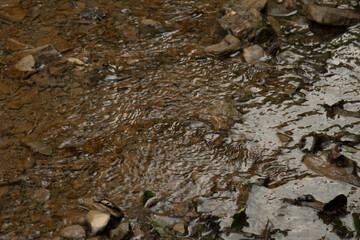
[
  {"x": 356, "y": 220},
  {"x": 40, "y": 147},
  {"x": 147, "y": 195},
  {"x": 239, "y": 220}
]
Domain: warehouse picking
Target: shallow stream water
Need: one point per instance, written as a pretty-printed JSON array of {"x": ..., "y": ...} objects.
[{"x": 133, "y": 120}]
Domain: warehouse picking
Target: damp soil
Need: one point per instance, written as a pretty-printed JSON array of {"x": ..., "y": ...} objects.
[{"x": 135, "y": 116}]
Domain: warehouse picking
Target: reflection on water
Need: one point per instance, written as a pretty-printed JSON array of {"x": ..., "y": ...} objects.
[{"x": 140, "y": 126}]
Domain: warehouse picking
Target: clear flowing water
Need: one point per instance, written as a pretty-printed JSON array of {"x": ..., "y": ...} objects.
[{"x": 133, "y": 120}]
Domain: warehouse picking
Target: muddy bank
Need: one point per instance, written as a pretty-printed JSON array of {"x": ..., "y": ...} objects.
[{"x": 175, "y": 98}]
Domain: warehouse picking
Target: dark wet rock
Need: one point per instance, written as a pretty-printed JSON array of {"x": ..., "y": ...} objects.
[
  {"x": 331, "y": 16},
  {"x": 121, "y": 232},
  {"x": 220, "y": 123},
  {"x": 228, "y": 45},
  {"x": 97, "y": 220},
  {"x": 337, "y": 204},
  {"x": 179, "y": 227},
  {"x": 22, "y": 69},
  {"x": 13, "y": 13},
  {"x": 150, "y": 27},
  {"x": 73, "y": 231},
  {"x": 253, "y": 54},
  {"x": 12, "y": 45},
  {"x": 41, "y": 195},
  {"x": 242, "y": 24},
  {"x": 40, "y": 147},
  {"x": 321, "y": 165}
]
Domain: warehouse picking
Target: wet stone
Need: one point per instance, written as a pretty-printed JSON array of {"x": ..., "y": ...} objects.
[
  {"x": 220, "y": 123},
  {"x": 97, "y": 220},
  {"x": 331, "y": 16},
  {"x": 228, "y": 45},
  {"x": 13, "y": 13},
  {"x": 179, "y": 227},
  {"x": 253, "y": 54},
  {"x": 41, "y": 147},
  {"x": 242, "y": 24},
  {"x": 41, "y": 195},
  {"x": 150, "y": 27},
  {"x": 22, "y": 69},
  {"x": 73, "y": 231}
]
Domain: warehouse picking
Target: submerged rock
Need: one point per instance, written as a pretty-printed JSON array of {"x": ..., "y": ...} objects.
[
  {"x": 73, "y": 231},
  {"x": 22, "y": 69},
  {"x": 150, "y": 27},
  {"x": 321, "y": 165},
  {"x": 242, "y": 24},
  {"x": 97, "y": 220},
  {"x": 222, "y": 109},
  {"x": 228, "y": 45},
  {"x": 41, "y": 147},
  {"x": 13, "y": 45},
  {"x": 121, "y": 231},
  {"x": 41, "y": 195},
  {"x": 330, "y": 16}
]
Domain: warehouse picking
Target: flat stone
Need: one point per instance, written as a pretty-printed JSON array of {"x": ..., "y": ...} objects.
[
  {"x": 24, "y": 68},
  {"x": 41, "y": 147},
  {"x": 73, "y": 231},
  {"x": 330, "y": 16},
  {"x": 97, "y": 220},
  {"x": 13, "y": 13},
  {"x": 228, "y": 45}
]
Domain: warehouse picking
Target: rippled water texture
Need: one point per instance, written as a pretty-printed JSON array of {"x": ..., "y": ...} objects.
[{"x": 134, "y": 120}]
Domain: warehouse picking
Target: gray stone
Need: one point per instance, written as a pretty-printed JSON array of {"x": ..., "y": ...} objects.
[
  {"x": 73, "y": 231},
  {"x": 331, "y": 16},
  {"x": 97, "y": 220},
  {"x": 228, "y": 45}
]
